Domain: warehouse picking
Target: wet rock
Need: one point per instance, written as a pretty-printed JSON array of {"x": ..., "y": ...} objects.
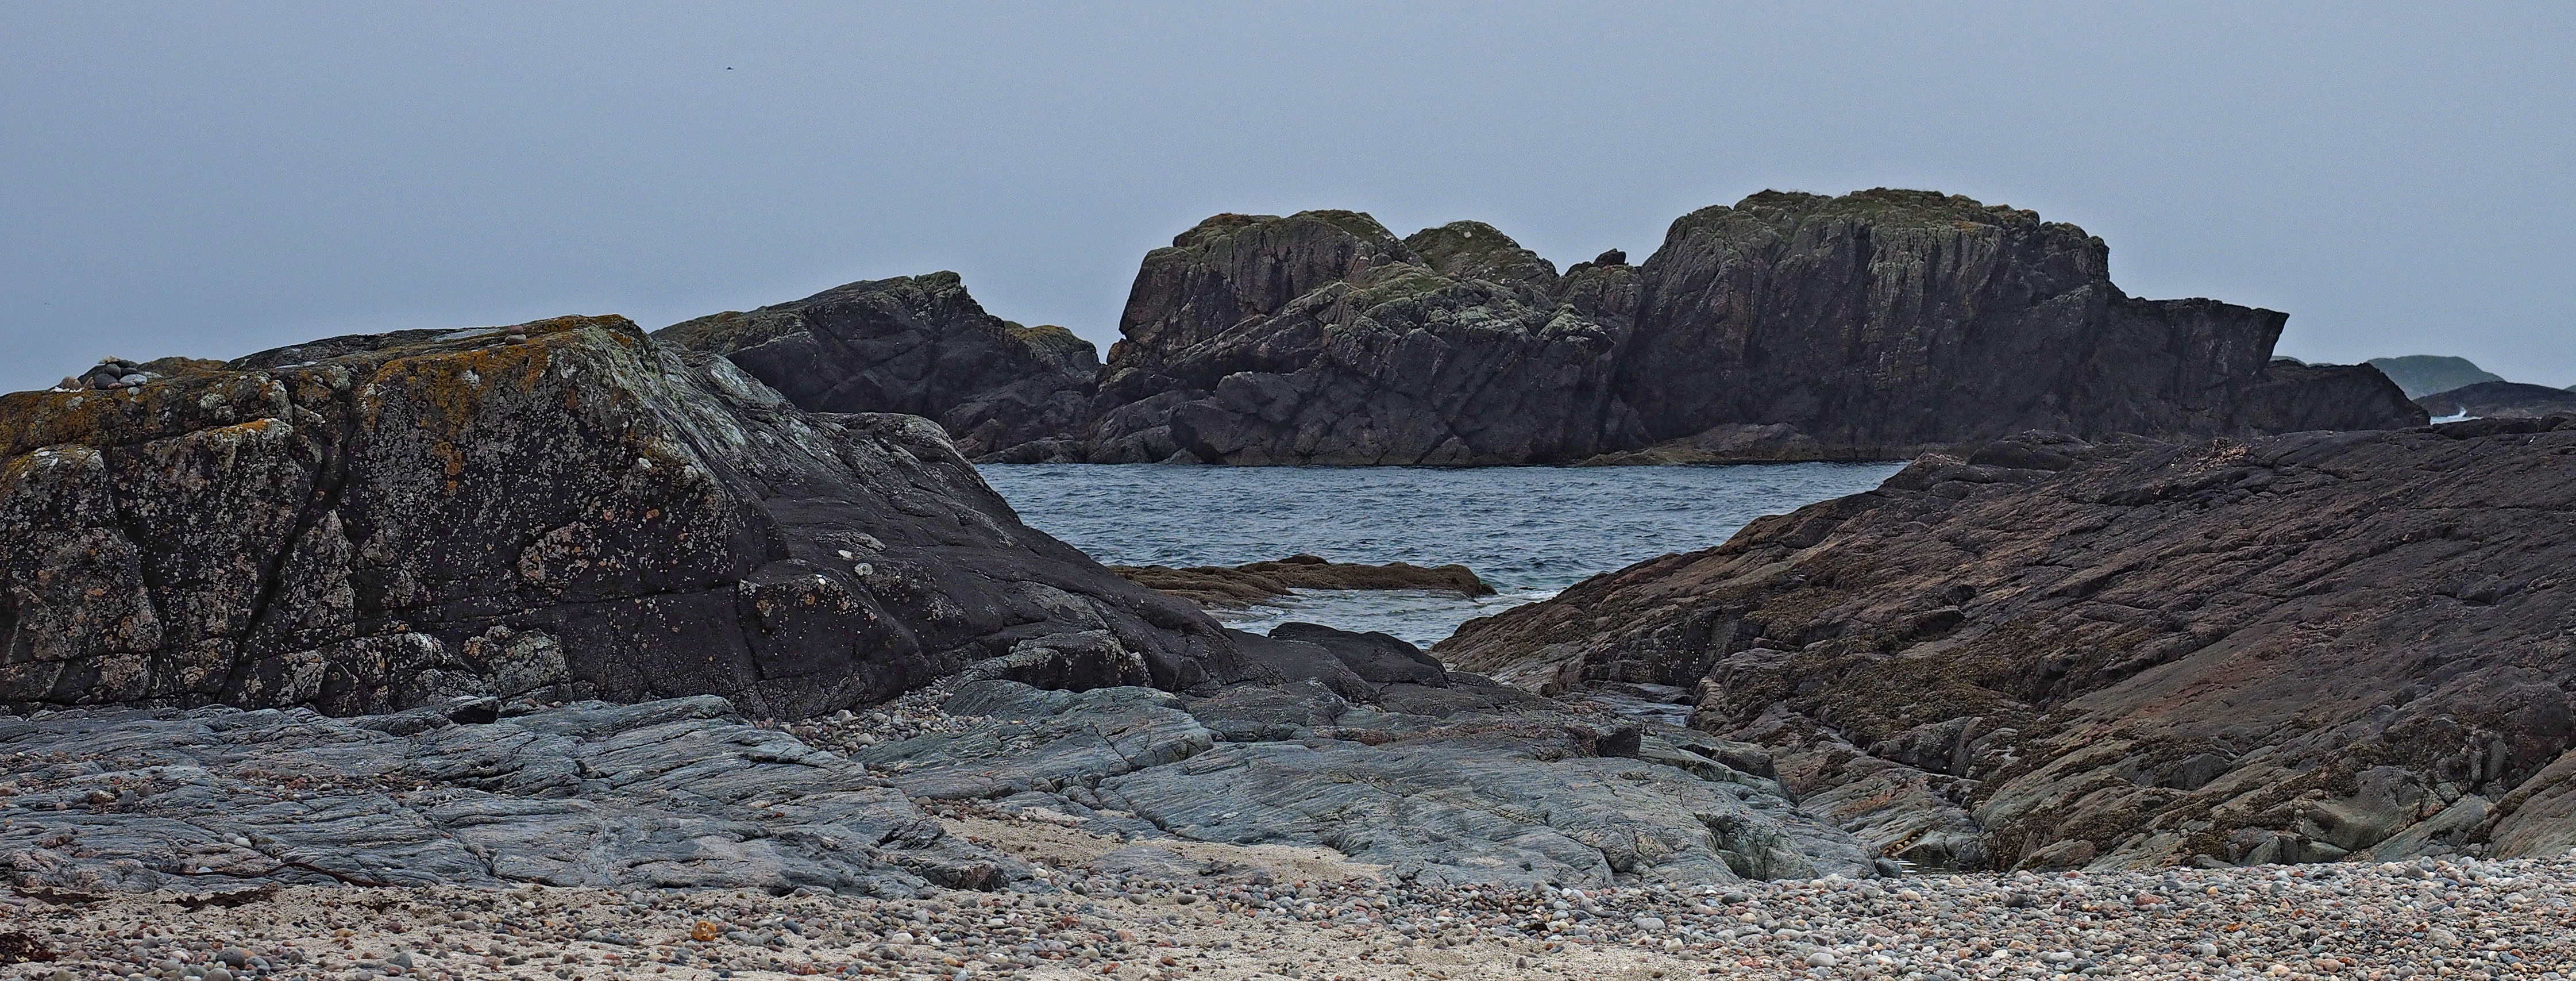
[{"x": 1260, "y": 582}]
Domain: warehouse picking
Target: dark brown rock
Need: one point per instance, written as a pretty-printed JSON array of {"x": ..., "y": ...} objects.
[
  {"x": 2050, "y": 652},
  {"x": 371, "y": 522},
  {"x": 913, "y": 344},
  {"x": 1255, "y": 583},
  {"x": 2501, "y": 400}
]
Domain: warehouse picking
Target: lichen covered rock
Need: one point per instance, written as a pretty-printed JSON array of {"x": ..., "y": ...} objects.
[{"x": 371, "y": 522}]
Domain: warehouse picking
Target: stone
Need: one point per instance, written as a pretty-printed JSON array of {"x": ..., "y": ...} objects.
[
  {"x": 2054, "y": 653},
  {"x": 369, "y": 523}
]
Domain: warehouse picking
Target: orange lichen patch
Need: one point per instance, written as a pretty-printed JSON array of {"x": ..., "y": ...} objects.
[{"x": 159, "y": 409}]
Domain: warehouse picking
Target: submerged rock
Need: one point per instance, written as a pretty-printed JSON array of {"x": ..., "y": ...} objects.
[
  {"x": 1255, "y": 583},
  {"x": 366, "y": 523},
  {"x": 2053, "y": 653}
]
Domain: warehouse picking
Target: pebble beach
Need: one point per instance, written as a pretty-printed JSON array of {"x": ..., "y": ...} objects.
[{"x": 2428, "y": 918}]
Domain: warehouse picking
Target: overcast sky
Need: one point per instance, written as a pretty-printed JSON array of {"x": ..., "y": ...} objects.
[{"x": 211, "y": 179}]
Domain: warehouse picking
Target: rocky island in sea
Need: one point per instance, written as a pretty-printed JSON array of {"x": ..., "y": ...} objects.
[
  {"x": 565, "y": 648},
  {"x": 1874, "y": 325}
]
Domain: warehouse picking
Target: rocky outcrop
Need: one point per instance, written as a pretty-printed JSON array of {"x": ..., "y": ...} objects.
[
  {"x": 2419, "y": 375},
  {"x": 1786, "y": 327},
  {"x": 668, "y": 794},
  {"x": 1323, "y": 338},
  {"x": 367, "y": 523},
  {"x": 2501, "y": 400},
  {"x": 2053, "y": 653},
  {"x": 1789, "y": 326},
  {"x": 1439, "y": 777},
  {"x": 1255, "y": 583},
  {"x": 913, "y": 344}
]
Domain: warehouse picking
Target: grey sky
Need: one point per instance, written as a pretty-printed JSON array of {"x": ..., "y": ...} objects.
[{"x": 212, "y": 179}]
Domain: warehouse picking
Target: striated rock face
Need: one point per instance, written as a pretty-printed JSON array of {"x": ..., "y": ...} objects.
[
  {"x": 913, "y": 344},
  {"x": 2501, "y": 400},
  {"x": 367, "y": 523},
  {"x": 1888, "y": 320},
  {"x": 2055, "y": 653},
  {"x": 1789, "y": 326}
]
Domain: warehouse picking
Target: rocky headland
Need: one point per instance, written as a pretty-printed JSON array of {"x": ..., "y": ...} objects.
[
  {"x": 2500, "y": 400},
  {"x": 1875, "y": 325},
  {"x": 2419, "y": 375},
  {"x": 2051, "y": 653},
  {"x": 1257, "y": 583}
]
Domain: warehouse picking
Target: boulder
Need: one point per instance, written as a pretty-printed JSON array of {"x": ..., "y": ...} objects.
[
  {"x": 2130, "y": 653},
  {"x": 366, "y": 523}
]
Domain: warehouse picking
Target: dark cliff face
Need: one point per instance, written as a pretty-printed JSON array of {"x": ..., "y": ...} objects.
[
  {"x": 2057, "y": 653},
  {"x": 1891, "y": 320},
  {"x": 1873, "y": 324},
  {"x": 913, "y": 344},
  {"x": 370, "y": 522}
]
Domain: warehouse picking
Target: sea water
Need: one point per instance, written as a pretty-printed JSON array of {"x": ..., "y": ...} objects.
[{"x": 1529, "y": 531}]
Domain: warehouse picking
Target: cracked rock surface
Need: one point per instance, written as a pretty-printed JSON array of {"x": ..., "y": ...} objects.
[
  {"x": 1452, "y": 780},
  {"x": 673, "y": 793}
]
